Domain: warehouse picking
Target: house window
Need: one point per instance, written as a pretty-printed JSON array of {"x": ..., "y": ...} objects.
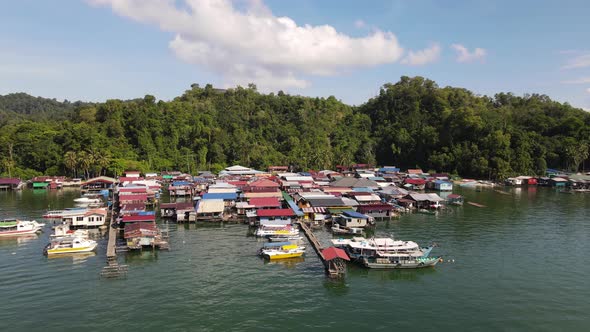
[{"x": 79, "y": 218}]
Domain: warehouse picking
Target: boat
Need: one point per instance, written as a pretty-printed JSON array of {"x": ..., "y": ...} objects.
[
  {"x": 58, "y": 214},
  {"x": 271, "y": 230},
  {"x": 15, "y": 227},
  {"x": 285, "y": 251},
  {"x": 281, "y": 238},
  {"x": 87, "y": 200},
  {"x": 69, "y": 245},
  {"x": 64, "y": 230},
  {"x": 339, "y": 229},
  {"x": 276, "y": 245},
  {"x": 455, "y": 199},
  {"x": 387, "y": 253}
]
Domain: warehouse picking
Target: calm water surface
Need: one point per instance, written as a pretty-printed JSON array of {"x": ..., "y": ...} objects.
[{"x": 520, "y": 264}]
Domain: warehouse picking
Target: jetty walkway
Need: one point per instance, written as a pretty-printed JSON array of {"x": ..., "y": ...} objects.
[{"x": 333, "y": 267}]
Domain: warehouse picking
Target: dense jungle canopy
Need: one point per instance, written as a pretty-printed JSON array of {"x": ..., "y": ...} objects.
[{"x": 412, "y": 123}]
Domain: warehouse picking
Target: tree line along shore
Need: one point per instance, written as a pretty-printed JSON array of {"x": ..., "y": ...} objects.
[{"x": 411, "y": 124}]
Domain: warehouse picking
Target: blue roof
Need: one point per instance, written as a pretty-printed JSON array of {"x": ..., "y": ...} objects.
[
  {"x": 363, "y": 189},
  {"x": 377, "y": 178},
  {"x": 295, "y": 209},
  {"x": 442, "y": 181},
  {"x": 354, "y": 214},
  {"x": 180, "y": 183},
  {"x": 224, "y": 196},
  {"x": 199, "y": 179},
  {"x": 389, "y": 169},
  {"x": 304, "y": 174}
]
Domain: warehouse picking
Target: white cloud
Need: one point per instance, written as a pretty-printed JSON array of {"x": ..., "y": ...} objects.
[
  {"x": 360, "y": 24},
  {"x": 254, "y": 45},
  {"x": 463, "y": 54},
  {"x": 581, "y": 80},
  {"x": 422, "y": 57},
  {"x": 580, "y": 61}
]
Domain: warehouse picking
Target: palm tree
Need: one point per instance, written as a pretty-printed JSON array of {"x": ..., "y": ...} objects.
[
  {"x": 71, "y": 161},
  {"x": 84, "y": 162}
]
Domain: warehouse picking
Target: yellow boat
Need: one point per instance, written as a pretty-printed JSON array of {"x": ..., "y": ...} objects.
[
  {"x": 286, "y": 251},
  {"x": 69, "y": 245}
]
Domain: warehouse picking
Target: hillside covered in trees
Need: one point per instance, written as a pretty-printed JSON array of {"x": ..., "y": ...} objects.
[{"x": 412, "y": 123}]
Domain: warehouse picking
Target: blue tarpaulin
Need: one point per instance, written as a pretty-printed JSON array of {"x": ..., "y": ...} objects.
[
  {"x": 295, "y": 209},
  {"x": 354, "y": 214}
]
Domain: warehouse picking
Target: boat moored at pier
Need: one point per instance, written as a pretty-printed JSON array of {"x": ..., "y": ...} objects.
[{"x": 15, "y": 227}]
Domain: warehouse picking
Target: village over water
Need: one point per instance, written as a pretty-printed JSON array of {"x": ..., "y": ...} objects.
[{"x": 277, "y": 204}]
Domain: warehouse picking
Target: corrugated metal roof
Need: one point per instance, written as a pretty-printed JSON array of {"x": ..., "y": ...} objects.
[
  {"x": 265, "y": 202},
  {"x": 333, "y": 252},
  {"x": 211, "y": 206},
  {"x": 275, "y": 213},
  {"x": 223, "y": 196}
]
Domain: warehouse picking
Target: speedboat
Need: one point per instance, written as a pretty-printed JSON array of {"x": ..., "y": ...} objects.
[
  {"x": 284, "y": 238},
  {"x": 15, "y": 227},
  {"x": 285, "y": 251},
  {"x": 387, "y": 253},
  {"x": 69, "y": 245}
]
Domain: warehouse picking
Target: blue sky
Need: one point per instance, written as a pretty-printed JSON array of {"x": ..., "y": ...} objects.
[{"x": 100, "y": 49}]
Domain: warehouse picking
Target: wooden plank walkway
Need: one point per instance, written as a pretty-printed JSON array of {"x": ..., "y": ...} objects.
[{"x": 337, "y": 268}]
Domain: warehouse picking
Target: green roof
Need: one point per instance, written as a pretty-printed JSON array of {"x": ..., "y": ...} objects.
[{"x": 40, "y": 184}]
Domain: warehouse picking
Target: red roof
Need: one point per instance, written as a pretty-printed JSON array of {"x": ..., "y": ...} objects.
[
  {"x": 123, "y": 198},
  {"x": 260, "y": 202},
  {"x": 133, "y": 207},
  {"x": 10, "y": 181},
  {"x": 333, "y": 252},
  {"x": 136, "y": 218},
  {"x": 265, "y": 183},
  {"x": 275, "y": 213},
  {"x": 417, "y": 182},
  {"x": 139, "y": 230},
  {"x": 133, "y": 189}
]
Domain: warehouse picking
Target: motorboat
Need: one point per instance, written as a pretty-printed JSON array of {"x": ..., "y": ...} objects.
[
  {"x": 282, "y": 252},
  {"x": 69, "y": 245},
  {"x": 387, "y": 253},
  {"x": 15, "y": 227},
  {"x": 270, "y": 231}
]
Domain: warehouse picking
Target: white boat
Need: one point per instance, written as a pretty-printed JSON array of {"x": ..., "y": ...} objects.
[
  {"x": 268, "y": 231},
  {"x": 281, "y": 238},
  {"x": 58, "y": 214},
  {"x": 69, "y": 245},
  {"x": 387, "y": 253},
  {"x": 87, "y": 200},
  {"x": 339, "y": 229},
  {"x": 64, "y": 230},
  {"x": 15, "y": 227}
]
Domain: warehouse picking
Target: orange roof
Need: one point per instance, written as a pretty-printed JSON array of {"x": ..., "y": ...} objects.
[{"x": 333, "y": 252}]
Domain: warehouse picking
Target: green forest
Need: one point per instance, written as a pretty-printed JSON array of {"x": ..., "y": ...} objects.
[{"x": 412, "y": 123}]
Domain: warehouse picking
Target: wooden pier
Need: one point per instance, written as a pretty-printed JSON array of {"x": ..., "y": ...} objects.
[
  {"x": 334, "y": 268},
  {"x": 113, "y": 269}
]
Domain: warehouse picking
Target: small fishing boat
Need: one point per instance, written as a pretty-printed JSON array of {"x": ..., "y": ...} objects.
[
  {"x": 15, "y": 227},
  {"x": 277, "y": 245},
  {"x": 285, "y": 251},
  {"x": 69, "y": 245},
  {"x": 455, "y": 199}
]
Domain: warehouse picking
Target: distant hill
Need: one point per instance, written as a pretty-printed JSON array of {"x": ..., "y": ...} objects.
[{"x": 26, "y": 106}]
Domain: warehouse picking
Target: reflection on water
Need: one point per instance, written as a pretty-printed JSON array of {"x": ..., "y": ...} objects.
[
  {"x": 17, "y": 239},
  {"x": 77, "y": 258},
  {"x": 139, "y": 257},
  {"x": 393, "y": 274},
  {"x": 289, "y": 263},
  {"x": 336, "y": 286}
]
